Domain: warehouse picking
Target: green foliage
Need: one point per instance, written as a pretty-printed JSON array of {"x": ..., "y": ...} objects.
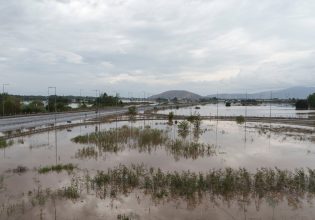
[
  {"x": 311, "y": 100},
  {"x": 240, "y": 119},
  {"x": 12, "y": 104},
  {"x": 70, "y": 192},
  {"x": 5, "y": 143},
  {"x": 56, "y": 168}
]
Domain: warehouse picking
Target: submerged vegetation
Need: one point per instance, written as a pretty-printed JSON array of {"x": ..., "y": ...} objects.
[
  {"x": 87, "y": 152},
  {"x": 144, "y": 140},
  {"x": 223, "y": 184},
  {"x": 57, "y": 168}
]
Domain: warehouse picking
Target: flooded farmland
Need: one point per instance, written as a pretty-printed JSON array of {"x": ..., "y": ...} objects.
[
  {"x": 262, "y": 110},
  {"x": 156, "y": 170}
]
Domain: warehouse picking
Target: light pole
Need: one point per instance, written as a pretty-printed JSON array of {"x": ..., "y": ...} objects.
[
  {"x": 52, "y": 87},
  {"x": 3, "y": 85},
  {"x": 143, "y": 109},
  {"x": 96, "y": 102},
  {"x": 80, "y": 96}
]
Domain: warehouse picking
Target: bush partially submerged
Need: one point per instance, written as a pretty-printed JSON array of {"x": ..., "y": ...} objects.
[
  {"x": 5, "y": 143},
  {"x": 240, "y": 119}
]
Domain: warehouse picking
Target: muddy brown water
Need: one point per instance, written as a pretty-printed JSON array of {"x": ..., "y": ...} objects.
[{"x": 237, "y": 146}]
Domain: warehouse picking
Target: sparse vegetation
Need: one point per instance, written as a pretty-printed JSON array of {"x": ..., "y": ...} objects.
[
  {"x": 195, "y": 120},
  {"x": 56, "y": 168},
  {"x": 132, "y": 110},
  {"x": 87, "y": 152}
]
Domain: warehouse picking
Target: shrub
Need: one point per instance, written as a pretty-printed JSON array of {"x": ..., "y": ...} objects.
[{"x": 240, "y": 119}]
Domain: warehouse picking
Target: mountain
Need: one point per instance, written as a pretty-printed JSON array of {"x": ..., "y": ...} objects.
[
  {"x": 179, "y": 94},
  {"x": 299, "y": 92}
]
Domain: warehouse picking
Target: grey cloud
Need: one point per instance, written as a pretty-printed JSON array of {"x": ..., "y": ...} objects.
[{"x": 125, "y": 45}]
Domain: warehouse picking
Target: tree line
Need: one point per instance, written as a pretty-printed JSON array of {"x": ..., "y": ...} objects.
[
  {"x": 12, "y": 105},
  {"x": 308, "y": 103}
]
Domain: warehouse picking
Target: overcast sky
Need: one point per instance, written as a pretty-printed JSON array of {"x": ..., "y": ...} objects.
[{"x": 156, "y": 45}]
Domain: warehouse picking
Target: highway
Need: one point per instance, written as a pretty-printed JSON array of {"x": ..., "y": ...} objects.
[{"x": 31, "y": 121}]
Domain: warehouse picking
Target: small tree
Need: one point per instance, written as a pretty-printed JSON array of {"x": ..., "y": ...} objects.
[{"x": 170, "y": 117}]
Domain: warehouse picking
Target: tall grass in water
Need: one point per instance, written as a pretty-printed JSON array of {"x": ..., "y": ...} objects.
[
  {"x": 87, "y": 152},
  {"x": 144, "y": 140},
  {"x": 226, "y": 184},
  {"x": 109, "y": 139}
]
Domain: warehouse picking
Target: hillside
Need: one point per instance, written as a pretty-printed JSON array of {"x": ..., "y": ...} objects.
[
  {"x": 179, "y": 94},
  {"x": 293, "y": 92}
]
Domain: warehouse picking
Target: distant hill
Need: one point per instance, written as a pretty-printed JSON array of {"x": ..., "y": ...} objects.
[
  {"x": 179, "y": 94},
  {"x": 293, "y": 92}
]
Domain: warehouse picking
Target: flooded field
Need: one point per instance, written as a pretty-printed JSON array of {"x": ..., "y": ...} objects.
[
  {"x": 263, "y": 110},
  {"x": 156, "y": 170}
]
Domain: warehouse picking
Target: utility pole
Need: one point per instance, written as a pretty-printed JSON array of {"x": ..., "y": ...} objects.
[{"x": 3, "y": 98}]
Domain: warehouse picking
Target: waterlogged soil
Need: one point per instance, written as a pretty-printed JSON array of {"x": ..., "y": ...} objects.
[{"x": 75, "y": 194}]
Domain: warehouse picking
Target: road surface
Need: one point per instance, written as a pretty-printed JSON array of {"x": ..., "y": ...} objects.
[{"x": 24, "y": 122}]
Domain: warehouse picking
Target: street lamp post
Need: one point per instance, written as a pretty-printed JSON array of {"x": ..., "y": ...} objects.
[
  {"x": 51, "y": 87},
  {"x": 3, "y": 85}
]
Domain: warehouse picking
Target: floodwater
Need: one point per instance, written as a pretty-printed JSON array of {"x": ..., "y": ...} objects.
[
  {"x": 263, "y": 110},
  {"x": 251, "y": 146}
]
